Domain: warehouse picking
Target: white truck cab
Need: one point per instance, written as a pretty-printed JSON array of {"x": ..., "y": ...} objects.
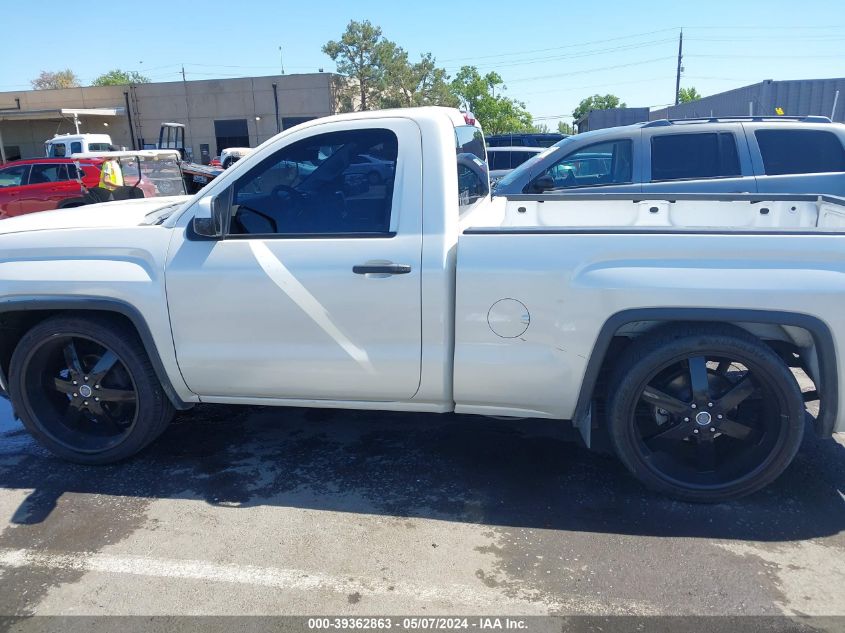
[{"x": 63, "y": 145}]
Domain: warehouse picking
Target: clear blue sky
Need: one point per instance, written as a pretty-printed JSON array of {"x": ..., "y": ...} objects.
[{"x": 551, "y": 56}]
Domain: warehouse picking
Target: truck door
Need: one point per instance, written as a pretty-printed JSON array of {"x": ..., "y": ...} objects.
[
  {"x": 680, "y": 159},
  {"x": 314, "y": 293}
]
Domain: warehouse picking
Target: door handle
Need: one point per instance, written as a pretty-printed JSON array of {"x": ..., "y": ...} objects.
[{"x": 383, "y": 269}]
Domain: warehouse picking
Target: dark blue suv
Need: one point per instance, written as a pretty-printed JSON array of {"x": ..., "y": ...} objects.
[{"x": 524, "y": 139}]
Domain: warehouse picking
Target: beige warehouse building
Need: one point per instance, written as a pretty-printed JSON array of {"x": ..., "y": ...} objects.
[{"x": 218, "y": 113}]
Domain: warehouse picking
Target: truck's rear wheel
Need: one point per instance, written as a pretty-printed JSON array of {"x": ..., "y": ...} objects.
[
  {"x": 85, "y": 389},
  {"x": 704, "y": 413}
]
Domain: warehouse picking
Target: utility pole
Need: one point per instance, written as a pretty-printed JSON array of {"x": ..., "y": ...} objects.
[
  {"x": 188, "y": 115},
  {"x": 678, "y": 76},
  {"x": 281, "y": 61}
]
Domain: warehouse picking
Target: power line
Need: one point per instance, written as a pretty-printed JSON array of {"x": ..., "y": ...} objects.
[
  {"x": 592, "y": 70},
  {"x": 602, "y": 85},
  {"x": 532, "y": 60},
  {"x": 744, "y": 56},
  {"x": 557, "y": 48}
]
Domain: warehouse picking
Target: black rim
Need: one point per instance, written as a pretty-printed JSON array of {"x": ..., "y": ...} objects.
[
  {"x": 709, "y": 421},
  {"x": 80, "y": 393}
]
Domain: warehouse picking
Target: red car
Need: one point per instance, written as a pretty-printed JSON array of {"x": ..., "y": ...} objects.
[{"x": 39, "y": 184}]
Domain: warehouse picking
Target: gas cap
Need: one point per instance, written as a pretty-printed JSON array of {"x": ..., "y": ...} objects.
[{"x": 508, "y": 318}]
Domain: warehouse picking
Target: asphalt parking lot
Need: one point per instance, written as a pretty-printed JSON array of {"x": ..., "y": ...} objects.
[{"x": 276, "y": 511}]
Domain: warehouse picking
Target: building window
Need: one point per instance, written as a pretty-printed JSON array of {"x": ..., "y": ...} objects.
[
  {"x": 231, "y": 133},
  {"x": 13, "y": 152},
  {"x": 290, "y": 121},
  {"x": 800, "y": 151}
]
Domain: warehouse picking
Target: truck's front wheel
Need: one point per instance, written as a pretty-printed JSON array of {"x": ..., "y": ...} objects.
[
  {"x": 85, "y": 389},
  {"x": 704, "y": 413}
]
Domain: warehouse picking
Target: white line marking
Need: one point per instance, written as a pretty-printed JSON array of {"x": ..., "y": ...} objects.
[
  {"x": 307, "y": 302},
  {"x": 276, "y": 577}
]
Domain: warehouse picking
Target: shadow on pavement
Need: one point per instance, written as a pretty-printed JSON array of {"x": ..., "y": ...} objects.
[{"x": 453, "y": 468}]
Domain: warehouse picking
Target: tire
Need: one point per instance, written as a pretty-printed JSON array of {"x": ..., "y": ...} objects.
[
  {"x": 228, "y": 162},
  {"x": 71, "y": 204},
  {"x": 84, "y": 421},
  {"x": 672, "y": 419},
  {"x": 374, "y": 178}
]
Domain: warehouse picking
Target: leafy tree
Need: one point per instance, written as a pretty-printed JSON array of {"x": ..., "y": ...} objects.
[
  {"x": 360, "y": 55},
  {"x": 379, "y": 74},
  {"x": 60, "y": 79},
  {"x": 565, "y": 128},
  {"x": 117, "y": 77},
  {"x": 497, "y": 114},
  {"x": 688, "y": 94},
  {"x": 541, "y": 128},
  {"x": 418, "y": 84},
  {"x": 596, "y": 102}
]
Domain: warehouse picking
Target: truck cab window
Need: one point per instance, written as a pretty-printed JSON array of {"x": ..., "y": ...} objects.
[
  {"x": 607, "y": 163},
  {"x": 334, "y": 183},
  {"x": 473, "y": 175}
]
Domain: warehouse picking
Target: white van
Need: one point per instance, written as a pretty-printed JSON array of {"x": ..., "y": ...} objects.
[{"x": 63, "y": 145}]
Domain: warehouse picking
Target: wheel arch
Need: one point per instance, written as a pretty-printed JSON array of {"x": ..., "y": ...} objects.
[
  {"x": 769, "y": 326},
  {"x": 19, "y": 314}
]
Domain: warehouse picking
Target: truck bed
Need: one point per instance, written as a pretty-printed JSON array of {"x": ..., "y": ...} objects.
[
  {"x": 736, "y": 212},
  {"x": 564, "y": 266}
]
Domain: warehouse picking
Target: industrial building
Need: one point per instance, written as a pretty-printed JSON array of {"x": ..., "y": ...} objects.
[
  {"x": 800, "y": 97},
  {"x": 218, "y": 113}
]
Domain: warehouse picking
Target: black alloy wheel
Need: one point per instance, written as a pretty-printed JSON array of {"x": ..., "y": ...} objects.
[
  {"x": 85, "y": 388},
  {"x": 82, "y": 392},
  {"x": 706, "y": 418}
]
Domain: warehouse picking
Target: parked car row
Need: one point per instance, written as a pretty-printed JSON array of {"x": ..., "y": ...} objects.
[
  {"x": 43, "y": 184},
  {"x": 741, "y": 154}
]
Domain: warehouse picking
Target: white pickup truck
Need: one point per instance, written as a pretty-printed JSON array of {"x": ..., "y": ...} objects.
[{"x": 670, "y": 325}]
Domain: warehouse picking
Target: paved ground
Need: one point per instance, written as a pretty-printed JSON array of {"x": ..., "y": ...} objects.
[{"x": 257, "y": 511}]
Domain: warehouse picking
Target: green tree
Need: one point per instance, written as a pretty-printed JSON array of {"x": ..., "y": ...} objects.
[
  {"x": 688, "y": 94},
  {"x": 60, "y": 79},
  {"x": 565, "y": 128},
  {"x": 496, "y": 113},
  {"x": 360, "y": 55},
  {"x": 117, "y": 77},
  {"x": 597, "y": 102},
  {"x": 419, "y": 84},
  {"x": 541, "y": 128}
]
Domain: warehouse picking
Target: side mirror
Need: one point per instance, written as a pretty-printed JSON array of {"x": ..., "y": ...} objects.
[
  {"x": 542, "y": 183},
  {"x": 211, "y": 215}
]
